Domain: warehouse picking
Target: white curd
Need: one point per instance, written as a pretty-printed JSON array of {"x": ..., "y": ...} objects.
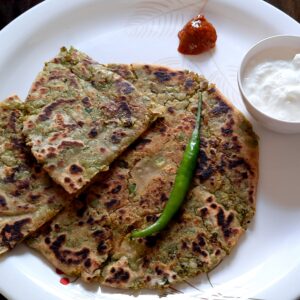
[{"x": 274, "y": 88}]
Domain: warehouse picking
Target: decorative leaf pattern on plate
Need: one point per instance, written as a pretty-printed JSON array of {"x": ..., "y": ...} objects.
[
  {"x": 225, "y": 79},
  {"x": 159, "y": 19}
]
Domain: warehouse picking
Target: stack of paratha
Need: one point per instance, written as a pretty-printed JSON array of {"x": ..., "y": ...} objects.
[{"x": 81, "y": 115}]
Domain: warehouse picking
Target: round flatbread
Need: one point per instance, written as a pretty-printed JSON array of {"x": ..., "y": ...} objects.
[{"x": 91, "y": 238}]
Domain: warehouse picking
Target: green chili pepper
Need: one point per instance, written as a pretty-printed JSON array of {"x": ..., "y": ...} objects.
[{"x": 182, "y": 181}]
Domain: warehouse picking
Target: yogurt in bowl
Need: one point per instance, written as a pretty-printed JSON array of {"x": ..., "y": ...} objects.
[
  {"x": 274, "y": 88},
  {"x": 269, "y": 81}
]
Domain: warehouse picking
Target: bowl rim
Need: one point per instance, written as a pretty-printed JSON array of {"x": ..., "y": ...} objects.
[{"x": 239, "y": 79}]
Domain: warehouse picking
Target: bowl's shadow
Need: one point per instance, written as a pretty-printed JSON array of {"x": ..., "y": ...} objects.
[{"x": 279, "y": 181}]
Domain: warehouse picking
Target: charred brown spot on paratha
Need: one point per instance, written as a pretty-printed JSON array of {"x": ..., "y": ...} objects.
[
  {"x": 3, "y": 202},
  {"x": 117, "y": 137},
  {"x": 234, "y": 163},
  {"x": 162, "y": 75},
  {"x": 112, "y": 203},
  {"x": 87, "y": 263},
  {"x": 47, "y": 111},
  {"x": 203, "y": 212},
  {"x": 119, "y": 275},
  {"x": 86, "y": 102},
  {"x": 206, "y": 173},
  {"x": 93, "y": 133},
  {"x": 221, "y": 108},
  {"x": 189, "y": 83},
  {"x": 124, "y": 87},
  {"x": 13, "y": 120},
  {"x": 204, "y": 168},
  {"x": 75, "y": 169},
  {"x": 171, "y": 110},
  {"x": 102, "y": 247},
  {"x": 66, "y": 256},
  {"x": 124, "y": 113},
  {"x": 212, "y": 90},
  {"x": 226, "y": 131},
  {"x": 116, "y": 189},
  {"x": 34, "y": 197},
  {"x": 124, "y": 110},
  {"x": 70, "y": 144},
  {"x": 12, "y": 233},
  {"x": 225, "y": 223}
]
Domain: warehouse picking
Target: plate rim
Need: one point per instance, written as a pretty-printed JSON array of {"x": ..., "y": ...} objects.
[{"x": 10, "y": 290}]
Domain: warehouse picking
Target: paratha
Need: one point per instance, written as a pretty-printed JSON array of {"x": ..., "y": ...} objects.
[
  {"x": 91, "y": 240},
  {"x": 28, "y": 197},
  {"x": 77, "y": 125}
]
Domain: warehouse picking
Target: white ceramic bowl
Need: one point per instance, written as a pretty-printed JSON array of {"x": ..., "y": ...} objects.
[{"x": 273, "y": 48}]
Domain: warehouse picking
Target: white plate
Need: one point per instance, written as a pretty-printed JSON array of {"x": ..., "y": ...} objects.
[{"x": 266, "y": 263}]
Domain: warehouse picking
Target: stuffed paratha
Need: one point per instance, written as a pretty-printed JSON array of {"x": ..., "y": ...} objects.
[
  {"x": 92, "y": 239},
  {"x": 77, "y": 125}
]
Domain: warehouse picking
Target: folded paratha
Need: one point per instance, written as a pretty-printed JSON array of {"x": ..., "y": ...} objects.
[
  {"x": 91, "y": 239},
  {"x": 28, "y": 197},
  {"x": 77, "y": 125}
]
